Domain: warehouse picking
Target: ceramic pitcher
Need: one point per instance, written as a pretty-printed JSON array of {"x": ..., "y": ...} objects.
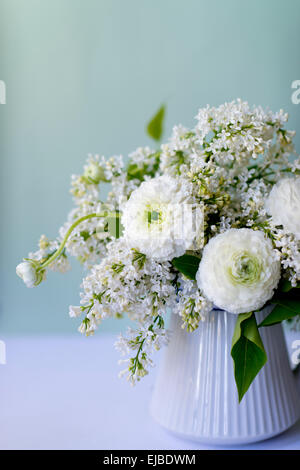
[{"x": 195, "y": 394}]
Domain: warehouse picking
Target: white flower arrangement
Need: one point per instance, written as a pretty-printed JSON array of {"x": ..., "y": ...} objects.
[{"x": 211, "y": 219}]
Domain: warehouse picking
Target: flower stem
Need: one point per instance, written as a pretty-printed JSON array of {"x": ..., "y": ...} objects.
[{"x": 58, "y": 252}]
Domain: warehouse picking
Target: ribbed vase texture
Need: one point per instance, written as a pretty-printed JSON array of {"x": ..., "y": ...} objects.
[{"x": 195, "y": 394}]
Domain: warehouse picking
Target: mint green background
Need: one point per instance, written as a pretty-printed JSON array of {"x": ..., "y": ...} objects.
[{"x": 85, "y": 75}]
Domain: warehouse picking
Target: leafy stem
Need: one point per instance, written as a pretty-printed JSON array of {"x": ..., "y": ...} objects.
[
  {"x": 247, "y": 352},
  {"x": 136, "y": 360},
  {"x": 58, "y": 252}
]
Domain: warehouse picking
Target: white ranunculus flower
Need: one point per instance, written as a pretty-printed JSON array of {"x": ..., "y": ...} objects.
[
  {"x": 27, "y": 272},
  {"x": 283, "y": 204},
  {"x": 160, "y": 221},
  {"x": 239, "y": 270}
]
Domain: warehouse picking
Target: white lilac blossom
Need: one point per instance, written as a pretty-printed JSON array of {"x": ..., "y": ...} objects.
[
  {"x": 191, "y": 305},
  {"x": 239, "y": 270},
  {"x": 226, "y": 139},
  {"x": 177, "y": 154},
  {"x": 126, "y": 281},
  {"x": 88, "y": 241},
  {"x": 160, "y": 219},
  {"x": 75, "y": 311},
  {"x": 150, "y": 337},
  {"x": 150, "y": 290},
  {"x": 283, "y": 204},
  {"x": 94, "y": 172},
  {"x": 289, "y": 250}
]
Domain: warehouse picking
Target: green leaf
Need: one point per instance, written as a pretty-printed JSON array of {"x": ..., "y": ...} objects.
[
  {"x": 286, "y": 286},
  {"x": 138, "y": 258},
  {"x": 139, "y": 171},
  {"x": 284, "y": 309},
  {"x": 247, "y": 352},
  {"x": 187, "y": 265},
  {"x": 85, "y": 235},
  {"x": 155, "y": 126},
  {"x": 135, "y": 172}
]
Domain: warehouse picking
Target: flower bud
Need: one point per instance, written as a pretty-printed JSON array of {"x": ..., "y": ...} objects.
[
  {"x": 75, "y": 311},
  {"x": 94, "y": 173},
  {"x": 44, "y": 243},
  {"x": 27, "y": 272}
]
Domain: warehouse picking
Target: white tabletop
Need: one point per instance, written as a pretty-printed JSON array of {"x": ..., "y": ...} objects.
[{"x": 64, "y": 393}]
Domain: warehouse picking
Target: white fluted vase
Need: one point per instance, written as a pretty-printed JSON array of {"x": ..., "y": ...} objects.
[{"x": 195, "y": 394}]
